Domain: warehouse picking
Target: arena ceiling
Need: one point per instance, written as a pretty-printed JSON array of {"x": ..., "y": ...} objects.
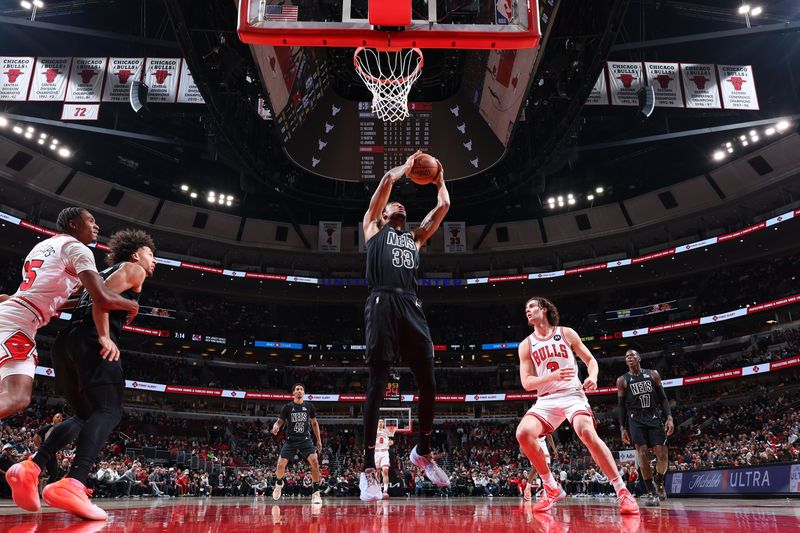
[{"x": 562, "y": 147}]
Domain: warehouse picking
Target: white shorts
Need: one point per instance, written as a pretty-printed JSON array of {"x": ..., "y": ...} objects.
[
  {"x": 554, "y": 408},
  {"x": 381, "y": 460},
  {"x": 17, "y": 348}
]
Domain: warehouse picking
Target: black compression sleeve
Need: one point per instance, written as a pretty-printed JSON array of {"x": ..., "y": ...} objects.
[
  {"x": 623, "y": 411},
  {"x": 664, "y": 400}
]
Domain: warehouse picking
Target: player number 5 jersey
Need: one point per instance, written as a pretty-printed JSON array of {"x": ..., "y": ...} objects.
[{"x": 550, "y": 355}]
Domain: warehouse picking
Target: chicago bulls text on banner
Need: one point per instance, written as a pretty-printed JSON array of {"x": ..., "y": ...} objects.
[
  {"x": 86, "y": 79},
  {"x": 455, "y": 237},
  {"x": 122, "y": 71},
  {"x": 161, "y": 76},
  {"x": 700, "y": 86},
  {"x": 188, "y": 93},
  {"x": 664, "y": 78},
  {"x": 625, "y": 80},
  {"x": 599, "y": 94},
  {"x": 738, "y": 87},
  {"x": 15, "y": 78},
  {"x": 50, "y": 79},
  {"x": 330, "y": 236}
]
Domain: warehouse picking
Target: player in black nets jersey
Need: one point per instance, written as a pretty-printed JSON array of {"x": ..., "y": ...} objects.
[
  {"x": 396, "y": 327},
  {"x": 645, "y": 420},
  {"x": 300, "y": 418},
  {"x": 90, "y": 377}
]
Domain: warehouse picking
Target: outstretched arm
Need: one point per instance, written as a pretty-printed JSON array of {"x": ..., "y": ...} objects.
[
  {"x": 433, "y": 219},
  {"x": 381, "y": 196}
]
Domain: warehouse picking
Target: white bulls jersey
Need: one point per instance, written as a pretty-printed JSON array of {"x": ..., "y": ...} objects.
[
  {"x": 551, "y": 354},
  {"x": 49, "y": 276},
  {"x": 382, "y": 441}
]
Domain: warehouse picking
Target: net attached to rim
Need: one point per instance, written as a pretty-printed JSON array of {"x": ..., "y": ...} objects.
[{"x": 389, "y": 76}]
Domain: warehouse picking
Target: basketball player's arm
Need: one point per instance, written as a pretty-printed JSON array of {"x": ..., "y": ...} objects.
[
  {"x": 129, "y": 277},
  {"x": 433, "y": 220},
  {"x": 623, "y": 410},
  {"x": 580, "y": 349},
  {"x": 669, "y": 426},
  {"x": 315, "y": 427},
  {"x": 381, "y": 197},
  {"x": 4, "y": 297},
  {"x": 552, "y": 444}
]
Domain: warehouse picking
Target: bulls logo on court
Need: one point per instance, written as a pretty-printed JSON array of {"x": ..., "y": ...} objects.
[
  {"x": 737, "y": 82},
  {"x": 13, "y": 74},
  {"x": 87, "y": 74},
  {"x": 50, "y": 75}
]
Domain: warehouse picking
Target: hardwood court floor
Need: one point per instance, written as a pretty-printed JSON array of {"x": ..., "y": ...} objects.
[{"x": 427, "y": 515}]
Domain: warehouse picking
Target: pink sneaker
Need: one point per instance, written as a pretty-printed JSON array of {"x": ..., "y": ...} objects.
[
  {"x": 549, "y": 498},
  {"x": 23, "y": 478},
  {"x": 72, "y": 496},
  {"x": 627, "y": 503}
]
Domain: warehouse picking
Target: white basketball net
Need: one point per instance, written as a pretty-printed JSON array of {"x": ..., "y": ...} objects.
[{"x": 389, "y": 77}]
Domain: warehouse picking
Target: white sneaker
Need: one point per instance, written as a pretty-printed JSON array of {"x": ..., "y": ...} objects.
[
  {"x": 316, "y": 498},
  {"x": 370, "y": 488},
  {"x": 434, "y": 472},
  {"x": 276, "y": 492}
]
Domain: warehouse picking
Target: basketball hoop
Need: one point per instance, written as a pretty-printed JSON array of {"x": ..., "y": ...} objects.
[
  {"x": 389, "y": 76},
  {"x": 391, "y": 427}
]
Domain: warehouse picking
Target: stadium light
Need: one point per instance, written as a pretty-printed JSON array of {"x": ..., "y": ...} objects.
[
  {"x": 769, "y": 131},
  {"x": 754, "y": 138},
  {"x": 756, "y": 11},
  {"x": 41, "y": 141},
  {"x": 193, "y": 195},
  {"x": 32, "y": 7},
  {"x": 745, "y": 143},
  {"x": 599, "y": 190},
  {"x": 63, "y": 152},
  {"x": 719, "y": 155},
  {"x": 590, "y": 197},
  {"x": 17, "y": 129},
  {"x": 571, "y": 201},
  {"x": 782, "y": 125},
  {"x": 28, "y": 135},
  {"x": 184, "y": 188},
  {"x": 753, "y": 133},
  {"x": 3, "y": 121}
]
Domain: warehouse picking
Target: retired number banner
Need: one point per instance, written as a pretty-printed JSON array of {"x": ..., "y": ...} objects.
[
  {"x": 15, "y": 78},
  {"x": 330, "y": 236},
  {"x": 455, "y": 237}
]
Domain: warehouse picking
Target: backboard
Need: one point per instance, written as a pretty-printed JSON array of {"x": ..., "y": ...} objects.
[
  {"x": 398, "y": 418},
  {"x": 391, "y": 24}
]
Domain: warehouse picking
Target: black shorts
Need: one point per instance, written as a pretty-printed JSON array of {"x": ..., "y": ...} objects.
[
  {"x": 303, "y": 448},
  {"x": 649, "y": 433},
  {"x": 396, "y": 328},
  {"x": 78, "y": 363}
]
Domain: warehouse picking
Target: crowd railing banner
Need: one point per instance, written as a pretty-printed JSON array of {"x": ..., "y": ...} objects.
[{"x": 761, "y": 480}]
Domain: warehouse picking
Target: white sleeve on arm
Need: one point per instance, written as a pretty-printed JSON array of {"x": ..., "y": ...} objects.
[{"x": 79, "y": 257}]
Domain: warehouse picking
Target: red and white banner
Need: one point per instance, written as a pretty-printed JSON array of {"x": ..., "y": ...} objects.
[
  {"x": 664, "y": 78},
  {"x": 86, "y": 79},
  {"x": 161, "y": 77},
  {"x": 455, "y": 237},
  {"x": 599, "y": 94},
  {"x": 50, "y": 79},
  {"x": 625, "y": 80},
  {"x": 330, "y": 236},
  {"x": 700, "y": 86},
  {"x": 80, "y": 112},
  {"x": 738, "y": 87},
  {"x": 122, "y": 71},
  {"x": 188, "y": 93},
  {"x": 15, "y": 78}
]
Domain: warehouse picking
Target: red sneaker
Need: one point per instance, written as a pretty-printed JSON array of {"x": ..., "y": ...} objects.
[
  {"x": 23, "y": 478},
  {"x": 549, "y": 498},
  {"x": 627, "y": 503},
  {"x": 72, "y": 496}
]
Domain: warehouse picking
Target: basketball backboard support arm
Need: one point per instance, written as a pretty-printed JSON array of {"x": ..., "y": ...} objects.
[{"x": 255, "y": 27}]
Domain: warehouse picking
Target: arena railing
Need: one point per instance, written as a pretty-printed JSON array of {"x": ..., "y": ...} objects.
[{"x": 450, "y": 282}]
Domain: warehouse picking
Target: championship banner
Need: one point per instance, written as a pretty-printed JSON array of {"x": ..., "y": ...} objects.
[
  {"x": 455, "y": 237},
  {"x": 161, "y": 77},
  {"x": 50, "y": 79},
  {"x": 86, "y": 79},
  {"x": 700, "y": 86},
  {"x": 645, "y": 310},
  {"x": 738, "y": 87},
  {"x": 625, "y": 80},
  {"x": 15, "y": 78},
  {"x": 664, "y": 79},
  {"x": 330, "y": 236},
  {"x": 122, "y": 71},
  {"x": 599, "y": 94},
  {"x": 188, "y": 93}
]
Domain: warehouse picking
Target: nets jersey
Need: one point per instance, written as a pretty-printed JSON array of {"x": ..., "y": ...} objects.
[
  {"x": 382, "y": 441},
  {"x": 49, "y": 276},
  {"x": 298, "y": 419},
  {"x": 392, "y": 259},
  {"x": 551, "y": 354},
  {"x": 641, "y": 397}
]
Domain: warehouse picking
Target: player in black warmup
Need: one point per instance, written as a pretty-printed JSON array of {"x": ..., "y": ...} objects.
[
  {"x": 90, "y": 378},
  {"x": 300, "y": 418},
  {"x": 396, "y": 327},
  {"x": 645, "y": 420}
]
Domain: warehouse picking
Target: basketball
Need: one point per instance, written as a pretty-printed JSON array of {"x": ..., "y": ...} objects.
[{"x": 425, "y": 169}]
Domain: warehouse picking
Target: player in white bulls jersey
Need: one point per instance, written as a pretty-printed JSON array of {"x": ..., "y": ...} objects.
[
  {"x": 382, "y": 442},
  {"x": 52, "y": 271},
  {"x": 547, "y": 365}
]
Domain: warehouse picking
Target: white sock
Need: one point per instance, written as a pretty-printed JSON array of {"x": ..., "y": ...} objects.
[
  {"x": 548, "y": 480},
  {"x": 618, "y": 484},
  {"x": 385, "y": 487}
]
